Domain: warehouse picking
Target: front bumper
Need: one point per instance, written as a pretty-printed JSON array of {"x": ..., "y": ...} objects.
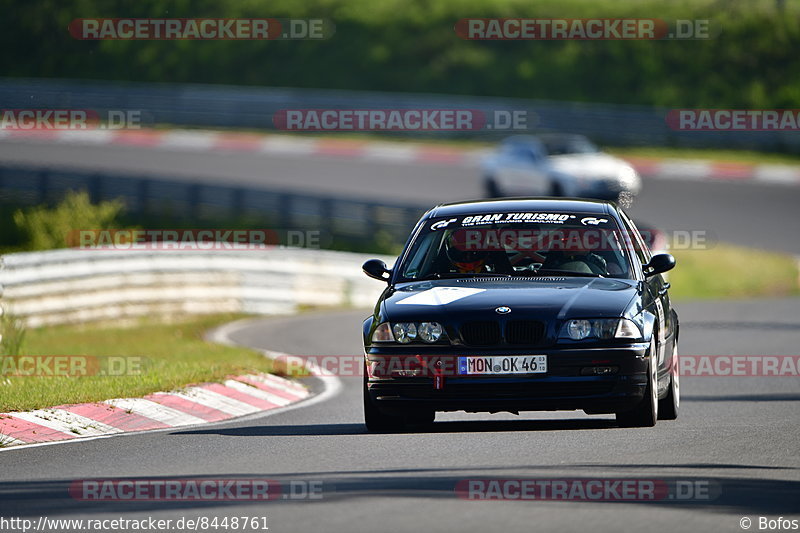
[{"x": 563, "y": 387}]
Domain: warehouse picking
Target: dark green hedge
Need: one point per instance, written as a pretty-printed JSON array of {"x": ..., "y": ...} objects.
[{"x": 410, "y": 45}]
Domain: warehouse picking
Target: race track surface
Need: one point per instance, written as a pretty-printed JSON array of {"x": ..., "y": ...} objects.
[
  {"x": 754, "y": 214},
  {"x": 737, "y": 436}
]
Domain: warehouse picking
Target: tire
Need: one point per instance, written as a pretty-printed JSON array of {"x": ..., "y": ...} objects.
[
  {"x": 376, "y": 421},
  {"x": 421, "y": 418},
  {"x": 646, "y": 413},
  {"x": 668, "y": 407},
  {"x": 491, "y": 188}
]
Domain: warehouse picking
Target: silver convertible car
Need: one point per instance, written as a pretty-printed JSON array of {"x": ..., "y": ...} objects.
[{"x": 557, "y": 165}]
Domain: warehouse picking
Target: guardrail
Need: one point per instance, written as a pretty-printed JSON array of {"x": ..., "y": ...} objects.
[
  {"x": 73, "y": 286},
  {"x": 340, "y": 219},
  {"x": 253, "y": 107}
]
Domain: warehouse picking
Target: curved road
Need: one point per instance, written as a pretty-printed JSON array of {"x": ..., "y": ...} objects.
[
  {"x": 752, "y": 214},
  {"x": 737, "y": 436}
]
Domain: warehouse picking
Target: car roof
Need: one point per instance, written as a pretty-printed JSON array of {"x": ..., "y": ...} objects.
[{"x": 509, "y": 205}]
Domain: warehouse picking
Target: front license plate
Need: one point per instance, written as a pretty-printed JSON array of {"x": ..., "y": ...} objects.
[{"x": 502, "y": 364}]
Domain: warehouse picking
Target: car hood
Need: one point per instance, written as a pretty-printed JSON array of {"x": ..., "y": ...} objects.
[
  {"x": 592, "y": 166},
  {"x": 546, "y": 298}
]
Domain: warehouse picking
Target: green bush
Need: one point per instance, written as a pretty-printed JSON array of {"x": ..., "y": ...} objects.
[{"x": 46, "y": 228}]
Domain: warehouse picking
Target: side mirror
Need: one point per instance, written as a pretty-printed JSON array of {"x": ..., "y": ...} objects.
[
  {"x": 658, "y": 264},
  {"x": 375, "y": 268}
]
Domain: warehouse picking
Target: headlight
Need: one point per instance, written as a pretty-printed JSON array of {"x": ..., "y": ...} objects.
[
  {"x": 579, "y": 329},
  {"x": 604, "y": 329},
  {"x": 601, "y": 328},
  {"x": 430, "y": 331},
  {"x": 405, "y": 332},
  {"x": 383, "y": 333},
  {"x": 629, "y": 179}
]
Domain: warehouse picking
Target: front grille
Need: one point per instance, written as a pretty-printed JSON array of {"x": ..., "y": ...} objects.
[
  {"x": 483, "y": 333},
  {"x": 524, "y": 332}
]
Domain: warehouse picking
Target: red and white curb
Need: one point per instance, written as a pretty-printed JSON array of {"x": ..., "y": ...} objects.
[
  {"x": 270, "y": 144},
  {"x": 395, "y": 152},
  {"x": 200, "y": 404}
]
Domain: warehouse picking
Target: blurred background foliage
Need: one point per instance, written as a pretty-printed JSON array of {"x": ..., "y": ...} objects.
[
  {"x": 410, "y": 45},
  {"x": 45, "y": 228}
]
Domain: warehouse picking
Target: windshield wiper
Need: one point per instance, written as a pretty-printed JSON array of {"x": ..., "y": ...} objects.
[
  {"x": 453, "y": 275},
  {"x": 555, "y": 271}
]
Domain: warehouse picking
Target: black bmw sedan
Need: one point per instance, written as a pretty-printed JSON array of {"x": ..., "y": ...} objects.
[{"x": 522, "y": 305}]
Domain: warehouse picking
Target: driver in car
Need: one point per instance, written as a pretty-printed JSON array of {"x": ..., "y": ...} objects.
[
  {"x": 467, "y": 261},
  {"x": 464, "y": 259}
]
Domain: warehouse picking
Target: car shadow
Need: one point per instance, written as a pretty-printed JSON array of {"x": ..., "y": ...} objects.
[
  {"x": 477, "y": 426},
  {"x": 726, "y": 494},
  {"x": 743, "y": 398}
]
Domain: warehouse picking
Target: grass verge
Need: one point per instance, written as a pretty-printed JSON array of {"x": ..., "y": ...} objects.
[
  {"x": 727, "y": 272},
  {"x": 156, "y": 356}
]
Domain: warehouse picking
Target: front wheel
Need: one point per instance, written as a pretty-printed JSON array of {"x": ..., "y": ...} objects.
[
  {"x": 668, "y": 407},
  {"x": 646, "y": 413}
]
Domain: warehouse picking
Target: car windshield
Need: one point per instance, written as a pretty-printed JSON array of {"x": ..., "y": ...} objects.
[
  {"x": 518, "y": 244},
  {"x": 568, "y": 145}
]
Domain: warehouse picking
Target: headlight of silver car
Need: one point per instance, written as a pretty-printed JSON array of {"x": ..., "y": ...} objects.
[{"x": 629, "y": 179}]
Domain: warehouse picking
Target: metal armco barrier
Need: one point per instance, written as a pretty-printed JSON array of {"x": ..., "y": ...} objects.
[
  {"x": 73, "y": 285},
  {"x": 254, "y": 107},
  {"x": 337, "y": 218}
]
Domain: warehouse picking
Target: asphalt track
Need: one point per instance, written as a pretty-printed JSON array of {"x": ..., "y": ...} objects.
[
  {"x": 738, "y": 435},
  {"x": 752, "y": 214}
]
